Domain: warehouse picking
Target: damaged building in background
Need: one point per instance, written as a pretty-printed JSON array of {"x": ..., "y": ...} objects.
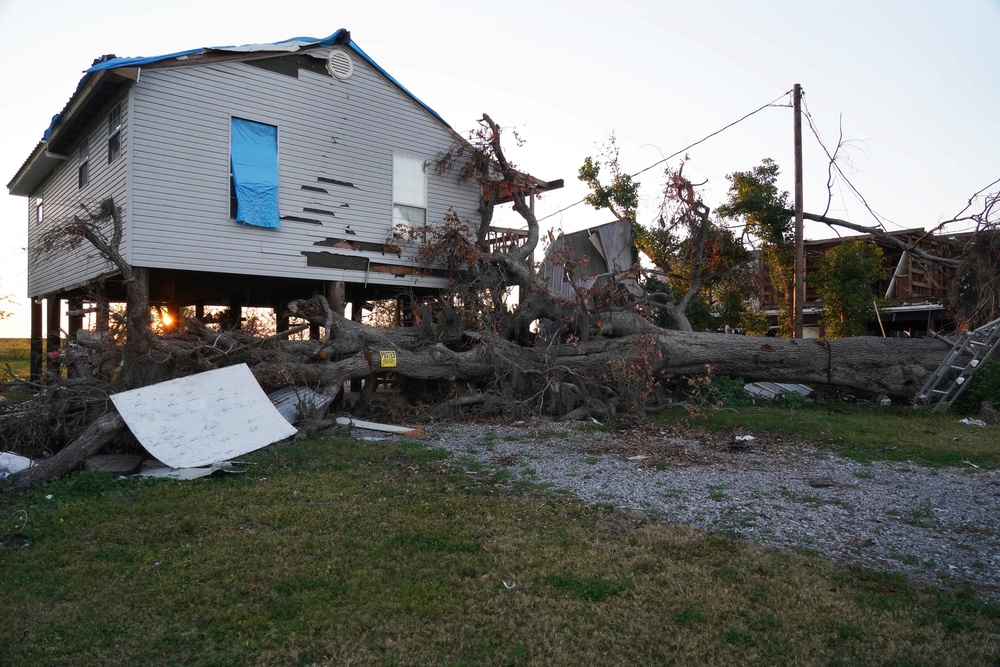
[
  {"x": 913, "y": 298},
  {"x": 247, "y": 176},
  {"x": 582, "y": 260}
]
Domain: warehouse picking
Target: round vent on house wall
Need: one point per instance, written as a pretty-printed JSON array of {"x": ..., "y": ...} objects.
[{"x": 339, "y": 64}]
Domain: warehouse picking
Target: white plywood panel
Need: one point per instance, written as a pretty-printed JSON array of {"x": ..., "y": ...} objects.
[{"x": 204, "y": 418}]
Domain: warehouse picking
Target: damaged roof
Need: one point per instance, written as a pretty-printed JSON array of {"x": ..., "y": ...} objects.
[{"x": 109, "y": 75}]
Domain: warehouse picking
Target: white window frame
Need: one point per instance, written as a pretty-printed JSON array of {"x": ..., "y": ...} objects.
[
  {"x": 39, "y": 210},
  {"x": 83, "y": 170},
  {"x": 409, "y": 192},
  {"x": 115, "y": 133}
]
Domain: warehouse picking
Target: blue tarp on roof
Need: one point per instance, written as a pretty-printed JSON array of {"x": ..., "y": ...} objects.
[
  {"x": 115, "y": 63},
  {"x": 139, "y": 61}
]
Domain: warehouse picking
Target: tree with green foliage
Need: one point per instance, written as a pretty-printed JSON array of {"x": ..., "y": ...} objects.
[
  {"x": 844, "y": 281},
  {"x": 692, "y": 255},
  {"x": 754, "y": 199}
]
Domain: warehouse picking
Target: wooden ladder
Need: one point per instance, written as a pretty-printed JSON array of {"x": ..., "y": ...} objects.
[{"x": 956, "y": 372}]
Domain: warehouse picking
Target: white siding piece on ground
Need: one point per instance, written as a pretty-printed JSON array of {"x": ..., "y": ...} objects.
[
  {"x": 295, "y": 402},
  {"x": 772, "y": 390},
  {"x": 202, "y": 419}
]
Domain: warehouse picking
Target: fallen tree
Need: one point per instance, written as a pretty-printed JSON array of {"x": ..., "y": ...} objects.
[
  {"x": 606, "y": 374},
  {"x": 595, "y": 355}
]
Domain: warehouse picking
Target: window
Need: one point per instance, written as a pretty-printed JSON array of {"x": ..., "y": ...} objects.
[
  {"x": 83, "y": 173},
  {"x": 409, "y": 192},
  {"x": 253, "y": 164},
  {"x": 39, "y": 211},
  {"x": 115, "y": 133}
]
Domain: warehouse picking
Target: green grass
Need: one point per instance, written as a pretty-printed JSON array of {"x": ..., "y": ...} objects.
[
  {"x": 864, "y": 434},
  {"x": 15, "y": 352},
  {"x": 330, "y": 551}
]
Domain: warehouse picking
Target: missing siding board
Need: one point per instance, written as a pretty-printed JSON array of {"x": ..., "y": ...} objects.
[
  {"x": 280, "y": 65},
  {"x": 330, "y": 260},
  {"x": 357, "y": 245},
  {"x": 318, "y": 210},
  {"x": 398, "y": 270},
  {"x": 295, "y": 218},
  {"x": 333, "y": 181},
  {"x": 313, "y": 188}
]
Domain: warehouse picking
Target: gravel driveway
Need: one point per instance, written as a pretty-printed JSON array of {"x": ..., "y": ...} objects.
[{"x": 930, "y": 523}]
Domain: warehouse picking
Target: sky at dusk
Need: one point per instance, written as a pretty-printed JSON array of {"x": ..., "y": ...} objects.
[{"x": 911, "y": 83}]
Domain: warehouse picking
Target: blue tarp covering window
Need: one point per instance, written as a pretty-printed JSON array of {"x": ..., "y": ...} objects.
[{"x": 254, "y": 162}]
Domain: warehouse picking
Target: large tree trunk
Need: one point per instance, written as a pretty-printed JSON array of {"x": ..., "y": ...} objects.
[
  {"x": 897, "y": 367},
  {"x": 70, "y": 457}
]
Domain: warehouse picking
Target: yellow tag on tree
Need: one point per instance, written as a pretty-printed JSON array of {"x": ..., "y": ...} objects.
[{"x": 388, "y": 358}]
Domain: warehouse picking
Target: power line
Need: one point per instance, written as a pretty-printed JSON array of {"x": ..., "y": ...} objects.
[
  {"x": 835, "y": 166},
  {"x": 683, "y": 150}
]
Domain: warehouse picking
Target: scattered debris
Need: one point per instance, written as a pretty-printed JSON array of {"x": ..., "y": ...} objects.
[
  {"x": 773, "y": 390},
  {"x": 114, "y": 464},
  {"x": 968, "y": 421},
  {"x": 884, "y": 401},
  {"x": 202, "y": 419},
  {"x": 823, "y": 482},
  {"x": 971, "y": 464},
  {"x": 638, "y": 457},
  {"x": 15, "y": 541},
  {"x": 151, "y": 468},
  {"x": 11, "y": 464},
  {"x": 741, "y": 442},
  {"x": 295, "y": 403},
  {"x": 374, "y": 426}
]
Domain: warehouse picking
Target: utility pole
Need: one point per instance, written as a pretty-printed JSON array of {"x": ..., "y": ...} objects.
[{"x": 799, "y": 298}]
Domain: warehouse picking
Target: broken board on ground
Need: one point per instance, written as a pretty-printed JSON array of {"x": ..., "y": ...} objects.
[
  {"x": 202, "y": 419},
  {"x": 374, "y": 426}
]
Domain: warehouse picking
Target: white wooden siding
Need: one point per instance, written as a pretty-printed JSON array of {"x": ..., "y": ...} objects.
[
  {"x": 342, "y": 130},
  {"x": 62, "y": 197}
]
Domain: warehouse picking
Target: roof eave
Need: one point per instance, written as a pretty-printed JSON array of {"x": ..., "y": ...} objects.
[
  {"x": 34, "y": 171},
  {"x": 91, "y": 94}
]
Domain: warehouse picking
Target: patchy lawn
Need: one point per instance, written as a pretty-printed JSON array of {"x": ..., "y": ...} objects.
[
  {"x": 331, "y": 551},
  {"x": 863, "y": 433}
]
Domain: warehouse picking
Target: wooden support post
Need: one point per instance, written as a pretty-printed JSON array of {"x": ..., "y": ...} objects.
[
  {"x": 199, "y": 310},
  {"x": 798, "y": 300},
  {"x": 102, "y": 320},
  {"x": 36, "y": 340},
  {"x": 336, "y": 294},
  {"x": 74, "y": 323},
  {"x": 280, "y": 320},
  {"x": 235, "y": 313},
  {"x": 52, "y": 332},
  {"x": 356, "y": 307}
]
